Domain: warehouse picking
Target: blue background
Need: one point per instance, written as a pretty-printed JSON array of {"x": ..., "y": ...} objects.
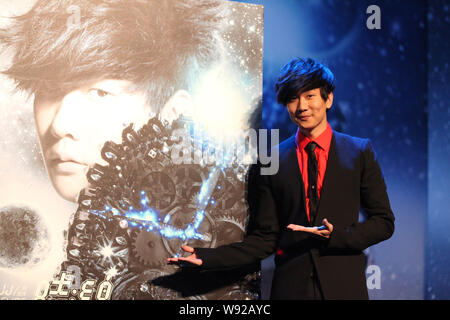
[{"x": 391, "y": 88}]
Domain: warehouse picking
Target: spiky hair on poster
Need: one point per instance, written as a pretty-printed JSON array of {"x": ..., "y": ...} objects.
[{"x": 156, "y": 44}]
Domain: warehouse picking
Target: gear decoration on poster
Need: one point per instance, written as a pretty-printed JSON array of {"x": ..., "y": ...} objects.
[
  {"x": 148, "y": 249},
  {"x": 141, "y": 207},
  {"x": 180, "y": 219},
  {"x": 231, "y": 226}
]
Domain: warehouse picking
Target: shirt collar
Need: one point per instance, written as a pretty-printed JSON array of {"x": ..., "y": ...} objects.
[{"x": 323, "y": 141}]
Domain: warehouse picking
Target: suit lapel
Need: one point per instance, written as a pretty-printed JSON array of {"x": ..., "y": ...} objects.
[{"x": 331, "y": 176}]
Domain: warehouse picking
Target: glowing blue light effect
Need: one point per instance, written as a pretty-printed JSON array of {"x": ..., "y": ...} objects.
[{"x": 147, "y": 218}]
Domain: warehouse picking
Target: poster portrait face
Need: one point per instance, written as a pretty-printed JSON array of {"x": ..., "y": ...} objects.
[
  {"x": 73, "y": 128},
  {"x": 83, "y": 76}
]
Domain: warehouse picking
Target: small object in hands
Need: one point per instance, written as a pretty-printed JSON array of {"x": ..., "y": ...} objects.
[{"x": 322, "y": 228}]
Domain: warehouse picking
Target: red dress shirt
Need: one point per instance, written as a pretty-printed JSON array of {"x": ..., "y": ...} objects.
[{"x": 323, "y": 141}]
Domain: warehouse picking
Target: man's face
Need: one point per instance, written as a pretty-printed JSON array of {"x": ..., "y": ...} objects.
[
  {"x": 73, "y": 128},
  {"x": 309, "y": 111}
]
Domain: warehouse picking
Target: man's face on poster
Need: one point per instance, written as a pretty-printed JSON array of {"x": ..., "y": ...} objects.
[{"x": 74, "y": 126}]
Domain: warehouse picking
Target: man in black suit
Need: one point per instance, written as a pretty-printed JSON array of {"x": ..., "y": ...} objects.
[{"x": 324, "y": 176}]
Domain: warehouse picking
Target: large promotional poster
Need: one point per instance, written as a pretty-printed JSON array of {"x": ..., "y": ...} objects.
[{"x": 125, "y": 134}]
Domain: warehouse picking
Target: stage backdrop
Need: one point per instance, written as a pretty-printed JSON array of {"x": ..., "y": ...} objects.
[
  {"x": 169, "y": 173},
  {"x": 381, "y": 94},
  {"x": 437, "y": 275}
]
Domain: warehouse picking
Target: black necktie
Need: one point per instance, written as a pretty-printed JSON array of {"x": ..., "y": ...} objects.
[{"x": 312, "y": 180}]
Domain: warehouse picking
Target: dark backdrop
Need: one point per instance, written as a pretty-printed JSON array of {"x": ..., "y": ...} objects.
[{"x": 385, "y": 88}]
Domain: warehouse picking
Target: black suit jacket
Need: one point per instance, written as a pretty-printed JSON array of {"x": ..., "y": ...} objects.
[{"x": 353, "y": 180}]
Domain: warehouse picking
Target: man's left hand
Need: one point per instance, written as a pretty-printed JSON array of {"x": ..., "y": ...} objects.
[{"x": 315, "y": 230}]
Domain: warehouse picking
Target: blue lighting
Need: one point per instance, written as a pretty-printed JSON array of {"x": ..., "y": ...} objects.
[{"x": 149, "y": 219}]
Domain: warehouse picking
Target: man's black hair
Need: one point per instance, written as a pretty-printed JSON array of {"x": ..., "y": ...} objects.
[
  {"x": 300, "y": 75},
  {"x": 155, "y": 44}
]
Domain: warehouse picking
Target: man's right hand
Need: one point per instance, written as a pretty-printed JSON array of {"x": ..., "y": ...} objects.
[{"x": 191, "y": 260}]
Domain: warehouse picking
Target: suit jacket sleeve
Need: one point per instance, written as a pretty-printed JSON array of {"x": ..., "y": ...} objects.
[
  {"x": 379, "y": 224},
  {"x": 262, "y": 231}
]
